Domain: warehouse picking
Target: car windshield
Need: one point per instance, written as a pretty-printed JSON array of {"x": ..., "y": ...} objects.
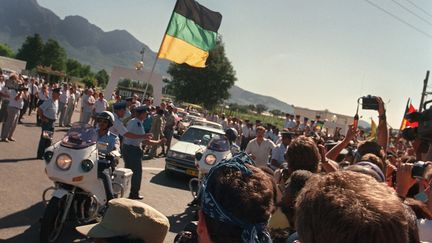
[
  {"x": 79, "y": 136},
  {"x": 219, "y": 144},
  {"x": 199, "y": 136}
]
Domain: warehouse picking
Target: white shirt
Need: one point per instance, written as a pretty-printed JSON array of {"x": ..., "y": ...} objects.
[
  {"x": 49, "y": 109},
  {"x": 35, "y": 89},
  {"x": 260, "y": 151},
  {"x": 64, "y": 96},
  {"x": 100, "y": 105},
  {"x": 246, "y": 131},
  {"x": 88, "y": 103},
  {"x": 289, "y": 124},
  {"x": 42, "y": 95},
  {"x": 13, "y": 102},
  {"x": 278, "y": 153},
  {"x": 118, "y": 128}
]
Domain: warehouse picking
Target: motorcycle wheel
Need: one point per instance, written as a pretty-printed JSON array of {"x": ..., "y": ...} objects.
[{"x": 51, "y": 225}]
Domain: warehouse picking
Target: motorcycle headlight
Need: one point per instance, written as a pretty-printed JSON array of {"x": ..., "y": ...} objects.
[
  {"x": 87, "y": 165},
  {"x": 210, "y": 159},
  {"x": 64, "y": 161}
]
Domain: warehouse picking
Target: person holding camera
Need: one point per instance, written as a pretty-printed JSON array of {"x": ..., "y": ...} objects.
[{"x": 16, "y": 103}]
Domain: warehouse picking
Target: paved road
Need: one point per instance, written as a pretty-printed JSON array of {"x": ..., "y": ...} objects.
[{"x": 23, "y": 180}]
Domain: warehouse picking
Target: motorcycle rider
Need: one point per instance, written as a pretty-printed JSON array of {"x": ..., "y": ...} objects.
[
  {"x": 105, "y": 120},
  {"x": 231, "y": 134}
]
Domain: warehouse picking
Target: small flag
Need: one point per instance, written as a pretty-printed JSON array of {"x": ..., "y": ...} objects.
[
  {"x": 373, "y": 132},
  {"x": 405, "y": 123},
  {"x": 191, "y": 34},
  {"x": 319, "y": 125}
]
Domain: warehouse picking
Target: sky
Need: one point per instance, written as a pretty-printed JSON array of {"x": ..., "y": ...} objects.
[{"x": 309, "y": 53}]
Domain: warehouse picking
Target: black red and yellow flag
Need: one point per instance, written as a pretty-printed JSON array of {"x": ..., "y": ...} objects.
[
  {"x": 405, "y": 123},
  {"x": 191, "y": 33}
]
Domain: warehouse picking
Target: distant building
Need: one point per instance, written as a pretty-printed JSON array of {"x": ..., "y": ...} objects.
[
  {"x": 332, "y": 120},
  {"x": 12, "y": 64}
]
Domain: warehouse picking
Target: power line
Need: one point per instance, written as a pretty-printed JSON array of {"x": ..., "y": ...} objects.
[
  {"x": 412, "y": 12},
  {"x": 399, "y": 19},
  {"x": 419, "y": 8}
]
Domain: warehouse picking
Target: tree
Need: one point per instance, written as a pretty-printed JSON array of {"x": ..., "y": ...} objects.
[
  {"x": 102, "y": 78},
  {"x": 54, "y": 55},
  {"x": 276, "y": 112},
  {"x": 260, "y": 108},
  {"x": 251, "y": 107},
  {"x": 207, "y": 86},
  {"x": 31, "y": 51},
  {"x": 6, "y": 51},
  {"x": 73, "y": 68},
  {"x": 89, "y": 82}
]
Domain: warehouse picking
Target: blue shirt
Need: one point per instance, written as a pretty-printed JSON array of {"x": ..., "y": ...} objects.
[
  {"x": 49, "y": 109},
  {"x": 111, "y": 139},
  {"x": 134, "y": 126},
  {"x": 148, "y": 123}
]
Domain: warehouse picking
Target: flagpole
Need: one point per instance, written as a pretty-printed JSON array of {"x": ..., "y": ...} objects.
[{"x": 157, "y": 54}]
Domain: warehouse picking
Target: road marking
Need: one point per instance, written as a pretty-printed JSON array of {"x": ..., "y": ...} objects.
[{"x": 153, "y": 168}]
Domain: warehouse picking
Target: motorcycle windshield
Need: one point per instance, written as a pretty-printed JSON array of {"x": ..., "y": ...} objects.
[
  {"x": 219, "y": 144},
  {"x": 80, "y": 136}
]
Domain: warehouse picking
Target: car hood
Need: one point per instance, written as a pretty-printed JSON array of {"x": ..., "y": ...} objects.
[{"x": 186, "y": 147}]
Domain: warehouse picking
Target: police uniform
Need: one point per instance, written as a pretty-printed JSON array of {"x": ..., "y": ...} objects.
[
  {"x": 118, "y": 127},
  {"x": 112, "y": 140},
  {"x": 132, "y": 152},
  {"x": 103, "y": 173},
  {"x": 49, "y": 109}
]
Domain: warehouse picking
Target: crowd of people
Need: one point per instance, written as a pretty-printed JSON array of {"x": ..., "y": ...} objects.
[{"x": 293, "y": 184}]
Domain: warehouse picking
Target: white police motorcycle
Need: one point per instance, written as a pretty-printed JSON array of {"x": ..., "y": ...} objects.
[
  {"x": 218, "y": 149},
  {"x": 79, "y": 195}
]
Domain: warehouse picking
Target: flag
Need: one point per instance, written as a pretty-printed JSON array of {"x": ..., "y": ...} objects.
[
  {"x": 405, "y": 123},
  {"x": 191, "y": 34},
  {"x": 373, "y": 132}
]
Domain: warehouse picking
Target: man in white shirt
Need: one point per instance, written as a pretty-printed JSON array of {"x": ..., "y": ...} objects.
[
  {"x": 290, "y": 122},
  {"x": 16, "y": 103},
  {"x": 278, "y": 154},
  {"x": 63, "y": 100},
  {"x": 32, "y": 91},
  {"x": 88, "y": 105},
  {"x": 259, "y": 148},
  {"x": 100, "y": 105}
]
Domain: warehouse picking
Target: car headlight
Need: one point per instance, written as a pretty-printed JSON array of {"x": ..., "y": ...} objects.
[
  {"x": 210, "y": 159},
  {"x": 87, "y": 165},
  {"x": 64, "y": 161},
  {"x": 170, "y": 153}
]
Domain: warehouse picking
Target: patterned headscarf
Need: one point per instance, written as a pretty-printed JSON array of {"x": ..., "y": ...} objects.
[{"x": 255, "y": 233}]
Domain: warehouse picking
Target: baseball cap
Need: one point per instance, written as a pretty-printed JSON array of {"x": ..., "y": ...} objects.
[{"x": 126, "y": 217}]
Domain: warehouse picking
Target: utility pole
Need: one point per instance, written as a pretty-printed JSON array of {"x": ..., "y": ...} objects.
[{"x": 425, "y": 82}]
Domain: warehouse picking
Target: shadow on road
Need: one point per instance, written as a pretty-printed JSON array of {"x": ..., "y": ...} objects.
[
  {"x": 31, "y": 217},
  {"x": 173, "y": 180},
  {"x": 179, "y": 221},
  {"x": 16, "y": 160}
]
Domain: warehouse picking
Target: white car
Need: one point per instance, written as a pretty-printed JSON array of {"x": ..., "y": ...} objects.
[
  {"x": 181, "y": 156},
  {"x": 206, "y": 123},
  {"x": 186, "y": 122}
]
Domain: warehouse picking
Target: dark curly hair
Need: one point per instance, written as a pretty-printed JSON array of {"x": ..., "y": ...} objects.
[
  {"x": 248, "y": 198},
  {"x": 303, "y": 154}
]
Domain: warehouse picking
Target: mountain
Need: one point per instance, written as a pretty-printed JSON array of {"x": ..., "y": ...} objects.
[
  {"x": 82, "y": 40},
  {"x": 244, "y": 97},
  {"x": 91, "y": 45}
]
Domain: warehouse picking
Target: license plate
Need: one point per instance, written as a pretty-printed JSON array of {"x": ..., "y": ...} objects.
[{"x": 192, "y": 172}]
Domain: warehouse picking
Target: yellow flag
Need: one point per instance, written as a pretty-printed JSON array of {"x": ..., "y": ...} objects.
[{"x": 373, "y": 132}]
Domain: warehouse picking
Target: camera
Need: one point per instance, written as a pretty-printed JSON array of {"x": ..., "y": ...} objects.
[
  {"x": 369, "y": 102},
  {"x": 420, "y": 170}
]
